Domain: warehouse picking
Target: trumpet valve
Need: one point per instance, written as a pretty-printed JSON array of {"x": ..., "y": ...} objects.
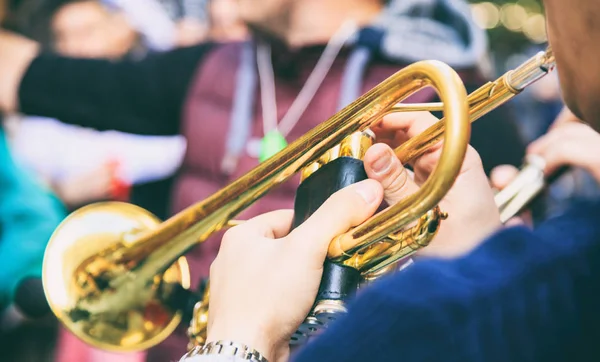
[{"x": 327, "y": 311}]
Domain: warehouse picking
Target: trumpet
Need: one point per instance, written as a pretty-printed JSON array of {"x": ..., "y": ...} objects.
[{"x": 116, "y": 277}]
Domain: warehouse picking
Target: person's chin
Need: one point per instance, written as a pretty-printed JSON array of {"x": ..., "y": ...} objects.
[{"x": 572, "y": 102}]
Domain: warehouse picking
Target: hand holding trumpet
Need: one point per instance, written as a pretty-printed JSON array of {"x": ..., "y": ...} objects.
[{"x": 277, "y": 273}]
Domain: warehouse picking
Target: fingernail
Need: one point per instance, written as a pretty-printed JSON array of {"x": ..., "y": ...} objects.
[
  {"x": 382, "y": 164},
  {"x": 367, "y": 192}
]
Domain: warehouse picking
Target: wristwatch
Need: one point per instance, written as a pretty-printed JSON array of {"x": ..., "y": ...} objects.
[{"x": 227, "y": 348}]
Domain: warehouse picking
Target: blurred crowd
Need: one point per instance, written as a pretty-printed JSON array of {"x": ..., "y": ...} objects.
[{"x": 53, "y": 165}]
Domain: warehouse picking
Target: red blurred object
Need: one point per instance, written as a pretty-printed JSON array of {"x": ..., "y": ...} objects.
[{"x": 119, "y": 190}]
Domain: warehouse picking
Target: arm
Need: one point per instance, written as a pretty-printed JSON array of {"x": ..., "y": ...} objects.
[
  {"x": 142, "y": 97},
  {"x": 521, "y": 296}
]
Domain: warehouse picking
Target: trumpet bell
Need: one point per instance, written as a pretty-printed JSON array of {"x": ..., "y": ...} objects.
[{"x": 90, "y": 285}]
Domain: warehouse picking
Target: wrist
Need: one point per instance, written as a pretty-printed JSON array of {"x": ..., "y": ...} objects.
[{"x": 264, "y": 343}]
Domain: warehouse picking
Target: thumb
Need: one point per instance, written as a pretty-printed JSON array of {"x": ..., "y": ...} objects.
[
  {"x": 382, "y": 165},
  {"x": 344, "y": 209}
]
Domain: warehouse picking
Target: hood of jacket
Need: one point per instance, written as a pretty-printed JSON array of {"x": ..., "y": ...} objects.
[{"x": 413, "y": 30}]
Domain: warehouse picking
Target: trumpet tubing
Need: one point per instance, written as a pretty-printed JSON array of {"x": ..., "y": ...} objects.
[
  {"x": 379, "y": 256},
  {"x": 115, "y": 276}
]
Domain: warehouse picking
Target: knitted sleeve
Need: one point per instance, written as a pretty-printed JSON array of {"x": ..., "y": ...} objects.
[{"x": 521, "y": 296}]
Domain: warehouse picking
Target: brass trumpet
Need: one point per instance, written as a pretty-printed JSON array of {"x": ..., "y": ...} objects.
[
  {"x": 113, "y": 274},
  {"x": 384, "y": 256}
]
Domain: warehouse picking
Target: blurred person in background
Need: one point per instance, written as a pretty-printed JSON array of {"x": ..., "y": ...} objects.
[
  {"x": 169, "y": 24},
  {"x": 90, "y": 29},
  {"x": 225, "y": 23},
  {"x": 112, "y": 161},
  {"x": 238, "y": 103},
  {"x": 165, "y": 24},
  {"x": 29, "y": 214}
]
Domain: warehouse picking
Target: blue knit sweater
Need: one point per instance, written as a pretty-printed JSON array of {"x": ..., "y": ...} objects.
[{"x": 521, "y": 296}]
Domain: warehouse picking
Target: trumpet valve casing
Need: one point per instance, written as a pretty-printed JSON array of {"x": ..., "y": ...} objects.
[{"x": 338, "y": 168}]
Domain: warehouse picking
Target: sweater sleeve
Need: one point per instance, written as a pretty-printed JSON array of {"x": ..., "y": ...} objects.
[
  {"x": 521, "y": 296},
  {"x": 142, "y": 97}
]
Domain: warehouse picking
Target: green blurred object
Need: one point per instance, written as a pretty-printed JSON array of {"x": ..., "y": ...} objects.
[{"x": 271, "y": 144}]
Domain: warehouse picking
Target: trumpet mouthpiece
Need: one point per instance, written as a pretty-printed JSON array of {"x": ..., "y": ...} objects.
[{"x": 532, "y": 70}]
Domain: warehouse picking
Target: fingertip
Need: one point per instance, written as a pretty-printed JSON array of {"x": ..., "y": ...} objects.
[
  {"x": 378, "y": 160},
  {"x": 502, "y": 175},
  {"x": 375, "y": 152}
]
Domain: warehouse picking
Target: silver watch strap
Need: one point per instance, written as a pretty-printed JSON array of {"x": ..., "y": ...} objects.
[{"x": 226, "y": 348}]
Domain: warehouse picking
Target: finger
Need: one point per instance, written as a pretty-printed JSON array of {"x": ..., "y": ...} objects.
[
  {"x": 382, "y": 165},
  {"x": 274, "y": 225},
  {"x": 411, "y": 123},
  {"x": 572, "y": 153},
  {"x": 568, "y": 131},
  {"x": 503, "y": 175},
  {"x": 574, "y": 144},
  {"x": 400, "y": 127},
  {"x": 515, "y": 221},
  {"x": 343, "y": 210},
  {"x": 426, "y": 164},
  {"x": 551, "y": 138}
]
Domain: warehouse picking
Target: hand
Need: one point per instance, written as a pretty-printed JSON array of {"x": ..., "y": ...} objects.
[
  {"x": 569, "y": 142},
  {"x": 16, "y": 53},
  {"x": 473, "y": 214},
  {"x": 264, "y": 280},
  {"x": 98, "y": 184}
]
